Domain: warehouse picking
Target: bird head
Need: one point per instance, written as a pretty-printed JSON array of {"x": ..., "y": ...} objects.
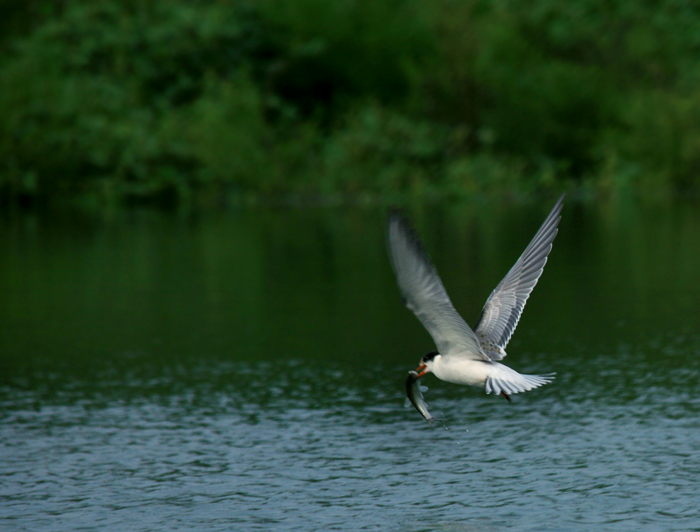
[{"x": 426, "y": 363}]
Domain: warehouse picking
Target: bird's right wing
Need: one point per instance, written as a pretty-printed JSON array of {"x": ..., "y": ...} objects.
[{"x": 424, "y": 294}]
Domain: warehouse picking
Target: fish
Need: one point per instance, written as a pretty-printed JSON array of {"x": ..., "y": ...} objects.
[{"x": 416, "y": 396}]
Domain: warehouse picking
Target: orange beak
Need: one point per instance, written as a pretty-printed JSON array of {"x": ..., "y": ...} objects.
[{"x": 422, "y": 370}]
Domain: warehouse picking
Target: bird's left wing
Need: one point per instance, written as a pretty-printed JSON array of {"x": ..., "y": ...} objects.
[{"x": 504, "y": 306}]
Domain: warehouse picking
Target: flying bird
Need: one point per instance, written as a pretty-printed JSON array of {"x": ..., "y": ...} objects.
[{"x": 466, "y": 356}]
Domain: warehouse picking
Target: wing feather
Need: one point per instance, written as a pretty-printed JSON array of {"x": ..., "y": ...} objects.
[
  {"x": 505, "y": 305},
  {"x": 424, "y": 293}
]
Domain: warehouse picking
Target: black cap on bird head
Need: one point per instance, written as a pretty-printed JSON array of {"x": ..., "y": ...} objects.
[
  {"x": 429, "y": 356},
  {"x": 423, "y": 366}
]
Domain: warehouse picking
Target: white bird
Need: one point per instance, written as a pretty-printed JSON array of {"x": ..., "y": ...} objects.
[{"x": 464, "y": 356}]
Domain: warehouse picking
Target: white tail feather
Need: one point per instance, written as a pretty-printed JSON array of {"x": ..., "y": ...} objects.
[{"x": 512, "y": 383}]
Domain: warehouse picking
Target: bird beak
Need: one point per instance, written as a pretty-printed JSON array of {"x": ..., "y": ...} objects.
[{"x": 422, "y": 370}]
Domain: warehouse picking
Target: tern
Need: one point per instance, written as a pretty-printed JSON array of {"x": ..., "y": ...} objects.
[{"x": 465, "y": 356}]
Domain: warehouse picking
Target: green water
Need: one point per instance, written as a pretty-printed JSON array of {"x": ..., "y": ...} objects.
[{"x": 243, "y": 371}]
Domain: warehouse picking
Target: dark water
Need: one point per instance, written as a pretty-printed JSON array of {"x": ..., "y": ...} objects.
[{"x": 244, "y": 371}]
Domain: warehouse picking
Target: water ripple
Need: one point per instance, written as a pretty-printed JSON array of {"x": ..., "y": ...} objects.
[{"x": 314, "y": 448}]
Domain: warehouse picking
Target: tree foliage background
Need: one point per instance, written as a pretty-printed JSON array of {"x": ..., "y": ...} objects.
[{"x": 174, "y": 99}]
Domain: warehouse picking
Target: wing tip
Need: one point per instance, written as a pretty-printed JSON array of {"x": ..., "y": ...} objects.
[
  {"x": 398, "y": 225},
  {"x": 394, "y": 211}
]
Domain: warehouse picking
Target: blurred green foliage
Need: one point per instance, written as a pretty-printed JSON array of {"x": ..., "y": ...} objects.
[{"x": 111, "y": 100}]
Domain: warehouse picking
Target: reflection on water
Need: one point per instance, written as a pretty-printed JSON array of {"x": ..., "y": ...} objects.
[{"x": 245, "y": 371}]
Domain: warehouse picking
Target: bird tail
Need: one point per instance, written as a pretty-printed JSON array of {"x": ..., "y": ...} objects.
[{"x": 510, "y": 382}]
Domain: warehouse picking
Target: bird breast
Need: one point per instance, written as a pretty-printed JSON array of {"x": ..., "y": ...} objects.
[{"x": 462, "y": 371}]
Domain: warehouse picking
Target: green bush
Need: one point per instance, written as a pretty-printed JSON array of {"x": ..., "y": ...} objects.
[
  {"x": 123, "y": 99},
  {"x": 87, "y": 98},
  {"x": 116, "y": 100}
]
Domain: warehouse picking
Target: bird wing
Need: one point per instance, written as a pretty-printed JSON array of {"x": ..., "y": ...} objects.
[
  {"x": 424, "y": 294},
  {"x": 504, "y": 306}
]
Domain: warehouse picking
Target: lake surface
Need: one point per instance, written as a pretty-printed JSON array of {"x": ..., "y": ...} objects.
[{"x": 243, "y": 371}]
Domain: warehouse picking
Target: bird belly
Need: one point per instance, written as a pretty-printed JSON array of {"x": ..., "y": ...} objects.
[{"x": 466, "y": 372}]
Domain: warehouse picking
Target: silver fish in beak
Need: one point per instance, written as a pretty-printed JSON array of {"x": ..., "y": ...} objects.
[{"x": 416, "y": 396}]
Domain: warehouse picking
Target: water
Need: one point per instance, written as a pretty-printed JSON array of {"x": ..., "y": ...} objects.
[{"x": 243, "y": 371}]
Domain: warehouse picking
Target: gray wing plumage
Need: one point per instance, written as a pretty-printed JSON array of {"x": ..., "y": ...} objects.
[
  {"x": 424, "y": 294},
  {"x": 504, "y": 306}
]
